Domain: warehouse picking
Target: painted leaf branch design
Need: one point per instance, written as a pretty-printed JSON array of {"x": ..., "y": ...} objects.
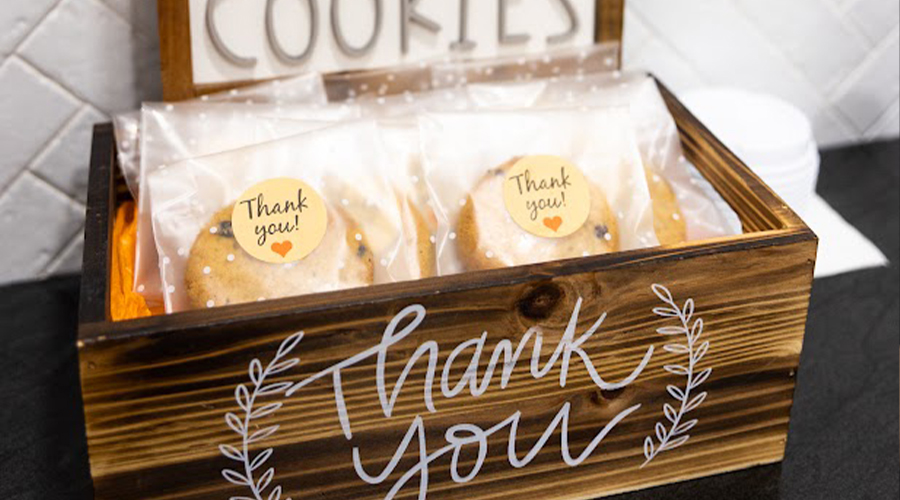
[
  {"x": 247, "y": 396},
  {"x": 673, "y": 432}
]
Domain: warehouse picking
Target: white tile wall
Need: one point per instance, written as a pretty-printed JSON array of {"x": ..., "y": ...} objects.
[
  {"x": 835, "y": 59},
  {"x": 65, "y": 64}
]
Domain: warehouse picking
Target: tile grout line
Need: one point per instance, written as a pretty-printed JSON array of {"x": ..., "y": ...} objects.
[
  {"x": 825, "y": 104},
  {"x": 40, "y": 21},
  {"x": 871, "y": 131},
  {"x": 27, "y": 167},
  {"x": 66, "y": 199},
  {"x": 75, "y": 94},
  {"x": 854, "y": 22},
  {"x": 78, "y": 206},
  {"x": 73, "y": 203},
  {"x": 144, "y": 33},
  {"x": 660, "y": 36},
  {"x": 854, "y": 76},
  {"x": 843, "y": 13},
  {"x": 71, "y": 199},
  {"x": 26, "y": 171},
  {"x": 873, "y": 54},
  {"x": 67, "y": 126},
  {"x": 72, "y": 93},
  {"x": 850, "y": 23},
  {"x": 53, "y": 266},
  {"x": 33, "y": 67}
]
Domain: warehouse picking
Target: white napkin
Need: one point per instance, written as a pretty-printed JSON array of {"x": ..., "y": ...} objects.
[{"x": 842, "y": 248}]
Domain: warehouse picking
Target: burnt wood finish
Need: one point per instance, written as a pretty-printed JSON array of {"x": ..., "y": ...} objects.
[
  {"x": 177, "y": 66},
  {"x": 610, "y": 20},
  {"x": 155, "y": 403},
  {"x": 96, "y": 264},
  {"x": 175, "y": 49},
  {"x": 156, "y": 389}
]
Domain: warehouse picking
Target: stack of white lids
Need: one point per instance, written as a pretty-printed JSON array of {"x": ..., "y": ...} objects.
[{"x": 771, "y": 136}]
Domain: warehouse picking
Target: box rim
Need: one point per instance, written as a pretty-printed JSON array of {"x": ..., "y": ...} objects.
[{"x": 92, "y": 332}]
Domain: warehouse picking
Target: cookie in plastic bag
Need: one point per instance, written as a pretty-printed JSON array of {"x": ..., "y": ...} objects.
[{"x": 575, "y": 179}]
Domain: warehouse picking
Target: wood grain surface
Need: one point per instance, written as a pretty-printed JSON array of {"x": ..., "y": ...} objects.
[{"x": 155, "y": 404}]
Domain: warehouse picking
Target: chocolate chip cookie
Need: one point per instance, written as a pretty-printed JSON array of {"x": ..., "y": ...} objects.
[
  {"x": 488, "y": 237},
  {"x": 219, "y": 272}
]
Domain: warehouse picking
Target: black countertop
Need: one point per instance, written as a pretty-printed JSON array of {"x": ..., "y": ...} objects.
[{"x": 843, "y": 441}]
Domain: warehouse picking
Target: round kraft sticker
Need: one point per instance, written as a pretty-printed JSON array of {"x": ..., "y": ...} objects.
[
  {"x": 280, "y": 220},
  {"x": 547, "y": 196}
]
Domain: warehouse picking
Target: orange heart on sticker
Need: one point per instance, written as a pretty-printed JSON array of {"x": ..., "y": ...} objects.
[
  {"x": 283, "y": 249},
  {"x": 555, "y": 223}
]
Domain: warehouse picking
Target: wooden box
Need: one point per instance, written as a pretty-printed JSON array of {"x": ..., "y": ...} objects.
[{"x": 565, "y": 380}]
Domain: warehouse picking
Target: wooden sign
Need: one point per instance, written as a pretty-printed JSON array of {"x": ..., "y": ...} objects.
[
  {"x": 208, "y": 45},
  {"x": 563, "y": 380}
]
